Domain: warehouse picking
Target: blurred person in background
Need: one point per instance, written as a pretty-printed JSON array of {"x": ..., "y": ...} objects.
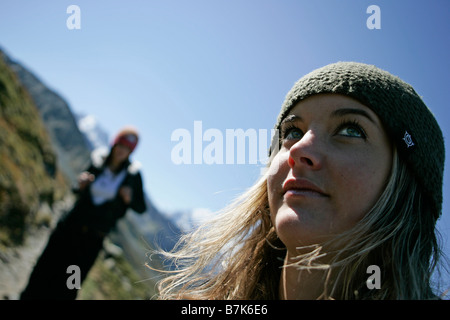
[{"x": 105, "y": 191}]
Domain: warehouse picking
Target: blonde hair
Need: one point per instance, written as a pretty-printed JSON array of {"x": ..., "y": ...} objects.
[{"x": 237, "y": 255}]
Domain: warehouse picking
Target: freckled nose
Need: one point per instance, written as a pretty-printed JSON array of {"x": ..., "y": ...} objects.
[{"x": 306, "y": 152}]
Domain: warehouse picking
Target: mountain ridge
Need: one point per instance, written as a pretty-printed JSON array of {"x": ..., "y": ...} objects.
[{"x": 69, "y": 143}]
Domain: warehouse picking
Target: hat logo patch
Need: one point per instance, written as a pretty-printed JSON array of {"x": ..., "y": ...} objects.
[{"x": 408, "y": 139}]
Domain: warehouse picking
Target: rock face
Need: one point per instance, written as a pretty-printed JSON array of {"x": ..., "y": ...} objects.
[
  {"x": 69, "y": 143},
  {"x": 29, "y": 173}
]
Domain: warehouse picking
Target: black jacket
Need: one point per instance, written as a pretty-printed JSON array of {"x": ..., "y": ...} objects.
[{"x": 103, "y": 218}]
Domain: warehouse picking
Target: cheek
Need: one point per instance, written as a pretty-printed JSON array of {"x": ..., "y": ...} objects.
[
  {"x": 122, "y": 153},
  {"x": 358, "y": 187},
  {"x": 276, "y": 175}
]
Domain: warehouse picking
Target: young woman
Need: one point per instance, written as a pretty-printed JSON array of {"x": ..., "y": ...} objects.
[
  {"x": 110, "y": 186},
  {"x": 354, "y": 184}
]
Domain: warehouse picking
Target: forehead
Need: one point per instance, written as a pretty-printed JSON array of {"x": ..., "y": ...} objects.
[{"x": 324, "y": 105}]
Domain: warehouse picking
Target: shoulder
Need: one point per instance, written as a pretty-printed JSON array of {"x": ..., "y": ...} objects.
[{"x": 134, "y": 168}]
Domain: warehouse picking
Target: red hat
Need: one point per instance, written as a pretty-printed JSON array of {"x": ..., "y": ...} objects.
[{"x": 128, "y": 137}]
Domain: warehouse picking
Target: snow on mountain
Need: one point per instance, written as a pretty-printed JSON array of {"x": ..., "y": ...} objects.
[
  {"x": 190, "y": 219},
  {"x": 97, "y": 136}
]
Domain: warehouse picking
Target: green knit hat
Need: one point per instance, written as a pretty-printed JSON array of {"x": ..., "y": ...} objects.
[{"x": 408, "y": 121}]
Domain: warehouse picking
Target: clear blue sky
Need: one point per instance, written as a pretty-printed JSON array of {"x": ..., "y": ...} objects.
[{"x": 161, "y": 65}]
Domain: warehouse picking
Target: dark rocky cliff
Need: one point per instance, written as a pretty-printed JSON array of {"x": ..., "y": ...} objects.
[
  {"x": 29, "y": 172},
  {"x": 68, "y": 142}
]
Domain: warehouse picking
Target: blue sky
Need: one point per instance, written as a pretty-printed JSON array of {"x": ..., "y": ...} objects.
[{"x": 161, "y": 65}]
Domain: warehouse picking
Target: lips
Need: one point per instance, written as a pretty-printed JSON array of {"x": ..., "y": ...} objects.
[{"x": 302, "y": 187}]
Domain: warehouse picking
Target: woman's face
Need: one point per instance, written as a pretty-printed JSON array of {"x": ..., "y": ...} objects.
[
  {"x": 120, "y": 153},
  {"x": 333, "y": 163}
]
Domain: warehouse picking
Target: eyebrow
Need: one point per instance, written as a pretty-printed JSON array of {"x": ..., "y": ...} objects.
[
  {"x": 290, "y": 118},
  {"x": 347, "y": 111},
  {"x": 336, "y": 113}
]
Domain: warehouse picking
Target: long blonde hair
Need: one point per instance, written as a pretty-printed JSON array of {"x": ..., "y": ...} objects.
[{"x": 237, "y": 255}]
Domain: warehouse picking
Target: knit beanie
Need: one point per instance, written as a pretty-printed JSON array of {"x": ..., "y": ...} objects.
[
  {"x": 408, "y": 121},
  {"x": 127, "y": 136}
]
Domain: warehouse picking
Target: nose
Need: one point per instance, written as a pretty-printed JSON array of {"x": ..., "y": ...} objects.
[{"x": 306, "y": 152}]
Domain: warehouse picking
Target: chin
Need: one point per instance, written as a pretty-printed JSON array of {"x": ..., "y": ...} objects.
[{"x": 296, "y": 232}]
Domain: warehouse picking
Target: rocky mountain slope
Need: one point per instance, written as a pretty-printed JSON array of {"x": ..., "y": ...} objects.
[
  {"x": 29, "y": 172},
  {"x": 68, "y": 142},
  {"x": 42, "y": 150}
]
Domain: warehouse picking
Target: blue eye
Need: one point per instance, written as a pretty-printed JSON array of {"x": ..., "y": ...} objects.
[
  {"x": 292, "y": 133},
  {"x": 351, "y": 129}
]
